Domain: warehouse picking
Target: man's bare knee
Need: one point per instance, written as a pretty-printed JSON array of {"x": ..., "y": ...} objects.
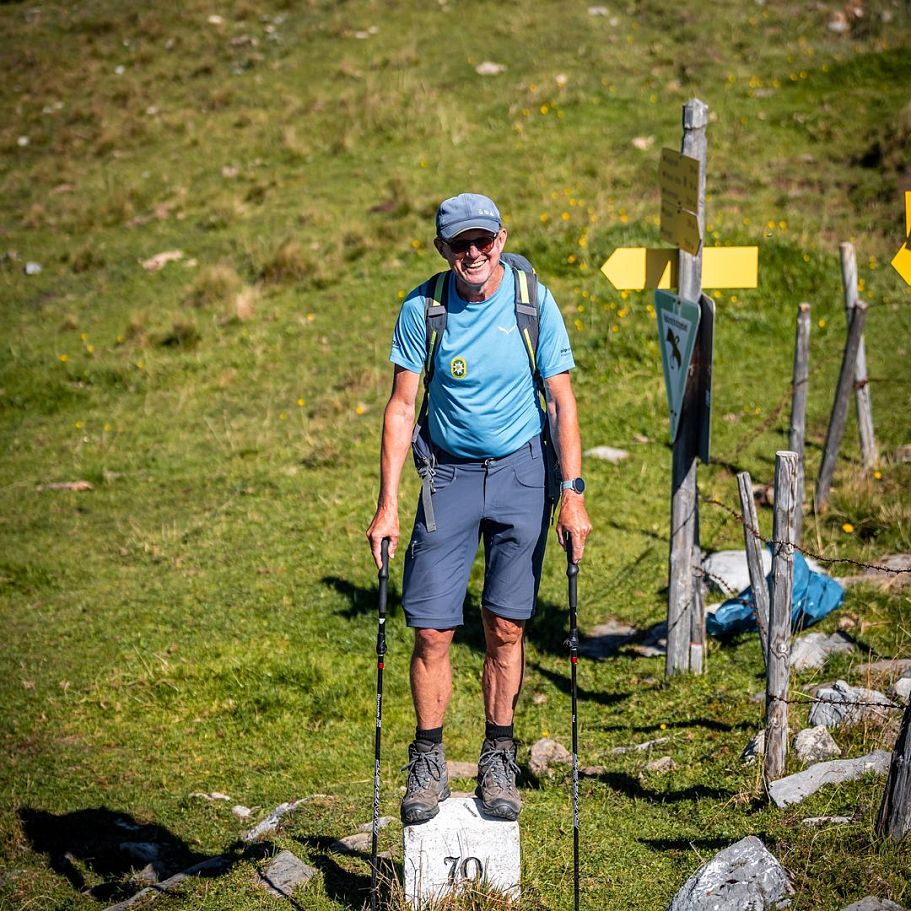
[
  {"x": 501, "y": 632},
  {"x": 430, "y": 644}
]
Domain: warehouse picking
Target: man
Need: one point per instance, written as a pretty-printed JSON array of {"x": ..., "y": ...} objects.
[{"x": 488, "y": 481}]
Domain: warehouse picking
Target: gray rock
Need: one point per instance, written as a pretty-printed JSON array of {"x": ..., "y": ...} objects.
[
  {"x": 270, "y": 823},
  {"x": 743, "y": 877},
  {"x": 607, "y": 454},
  {"x": 885, "y": 666},
  {"x": 842, "y": 703},
  {"x": 605, "y": 639},
  {"x": 285, "y": 873},
  {"x": 814, "y": 649},
  {"x": 545, "y": 753},
  {"x": 754, "y": 749},
  {"x": 815, "y": 745},
  {"x": 883, "y": 577},
  {"x": 813, "y": 822},
  {"x": 726, "y": 571},
  {"x": 359, "y": 843},
  {"x": 869, "y": 903},
  {"x": 661, "y": 765},
  {"x": 795, "y": 788},
  {"x": 381, "y": 823},
  {"x": 640, "y": 747},
  {"x": 900, "y": 691}
]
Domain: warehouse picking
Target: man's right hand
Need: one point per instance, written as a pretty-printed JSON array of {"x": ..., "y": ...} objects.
[{"x": 385, "y": 524}]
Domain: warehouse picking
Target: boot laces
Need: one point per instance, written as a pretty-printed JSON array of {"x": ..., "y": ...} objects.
[
  {"x": 497, "y": 765},
  {"x": 424, "y": 768}
]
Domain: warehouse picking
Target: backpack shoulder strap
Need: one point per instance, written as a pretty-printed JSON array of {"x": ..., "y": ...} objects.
[
  {"x": 527, "y": 313},
  {"x": 435, "y": 310}
]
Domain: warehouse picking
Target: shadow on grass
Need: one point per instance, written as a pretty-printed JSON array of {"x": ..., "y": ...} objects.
[
  {"x": 563, "y": 683},
  {"x": 710, "y": 724},
  {"x": 100, "y": 843},
  {"x": 690, "y": 844},
  {"x": 343, "y": 886},
  {"x": 361, "y": 600},
  {"x": 631, "y": 787}
]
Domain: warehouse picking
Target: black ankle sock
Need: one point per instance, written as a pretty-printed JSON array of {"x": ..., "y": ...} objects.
[
  {"x": 431, "y": 735},
  {"x": 498, "y": 731}
]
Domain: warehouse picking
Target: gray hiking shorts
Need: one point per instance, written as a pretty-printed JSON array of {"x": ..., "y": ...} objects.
[{"x": 500, "y": 500}]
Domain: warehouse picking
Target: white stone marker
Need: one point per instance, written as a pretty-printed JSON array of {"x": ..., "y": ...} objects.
[{"x": 460, "y": 844}]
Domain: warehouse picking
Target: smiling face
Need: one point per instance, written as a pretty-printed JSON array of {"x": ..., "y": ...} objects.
[{"x": 474, "y": 256}]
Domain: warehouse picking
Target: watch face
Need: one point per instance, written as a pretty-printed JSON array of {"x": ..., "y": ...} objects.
[{"x": 578, "y": 485}]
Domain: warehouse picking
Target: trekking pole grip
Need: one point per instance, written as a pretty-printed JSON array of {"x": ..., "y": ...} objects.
[
  {"x": 572, "y": 575},
  {"x": 384, "y": 583}
]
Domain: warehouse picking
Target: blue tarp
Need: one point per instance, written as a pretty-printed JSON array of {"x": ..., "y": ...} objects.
[{"x": 815, "y": 595}]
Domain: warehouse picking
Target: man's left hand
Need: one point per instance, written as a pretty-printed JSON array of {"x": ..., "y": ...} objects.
[{"x": 573, "y": 525}]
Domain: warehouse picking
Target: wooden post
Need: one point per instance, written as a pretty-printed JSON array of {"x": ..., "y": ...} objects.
[
  {"x": 777, "y": 666},
  {"x": 753, "y": 547},
  {"x": 797, "y": 435},
  {"x": 840, "y": 406},
  {"x": 684, "y": 544},
  {"x": 861, "y": 387},
  {"x": 894, "y": 819}
]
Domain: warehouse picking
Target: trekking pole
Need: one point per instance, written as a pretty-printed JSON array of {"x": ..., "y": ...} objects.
[
  {"x": 572, "y": 643},
  {"x": 380, "y": 664}
]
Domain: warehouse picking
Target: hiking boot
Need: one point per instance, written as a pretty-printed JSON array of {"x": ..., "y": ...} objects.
[
  {"x": 497, "y": 779},
  {"x": 428, "y": 782}
]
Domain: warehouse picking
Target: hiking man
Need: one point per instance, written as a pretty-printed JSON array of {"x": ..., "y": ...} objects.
[{"x": 485, "y": 478}]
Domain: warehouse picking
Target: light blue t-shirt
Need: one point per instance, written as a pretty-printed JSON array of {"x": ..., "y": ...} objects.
[{"x": 482, "y": 396}]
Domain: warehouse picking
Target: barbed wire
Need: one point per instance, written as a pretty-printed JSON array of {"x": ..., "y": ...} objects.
[
  {"x": 778, "y": 545},
  {"x": 845, "y": 703}
]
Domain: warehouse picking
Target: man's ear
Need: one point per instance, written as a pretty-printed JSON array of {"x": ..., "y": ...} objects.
[{"x": 440, "y": 245}]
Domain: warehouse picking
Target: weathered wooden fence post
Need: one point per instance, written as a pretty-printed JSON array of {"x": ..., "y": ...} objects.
[
  {"x": 777, "y": 667},
  {"x": 840, "y": 406},
  {"x": 894, "y": 819},
  {"x": 797, "y": 435},
  {"x": 685, "y": 555},
  {"x": 753, "y": 546},
  {"x": 861, "y": 385}
]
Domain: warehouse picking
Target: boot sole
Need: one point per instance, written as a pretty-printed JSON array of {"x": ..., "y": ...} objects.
[{"x": 418, "y": 815}]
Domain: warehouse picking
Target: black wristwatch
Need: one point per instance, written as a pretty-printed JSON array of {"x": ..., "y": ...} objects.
[{"x": 576, "y": 484}]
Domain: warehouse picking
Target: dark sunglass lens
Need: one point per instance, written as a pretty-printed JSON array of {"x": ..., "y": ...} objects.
[{"x": 482, "y": 244}]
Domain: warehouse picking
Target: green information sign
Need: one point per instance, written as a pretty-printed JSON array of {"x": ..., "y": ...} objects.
[{"x": 678, "y": 326}]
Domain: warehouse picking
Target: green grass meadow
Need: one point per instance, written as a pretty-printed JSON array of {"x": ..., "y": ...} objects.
[{"x": 203, "y": 618}]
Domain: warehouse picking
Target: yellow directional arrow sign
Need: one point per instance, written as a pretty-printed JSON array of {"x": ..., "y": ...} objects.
[
  {"x": 637, "y": 268},
  {"x": 902, "y": 261}
]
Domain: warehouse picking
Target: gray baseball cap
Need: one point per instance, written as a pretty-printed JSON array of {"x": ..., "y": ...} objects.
[{"x": 465, "y": 212}]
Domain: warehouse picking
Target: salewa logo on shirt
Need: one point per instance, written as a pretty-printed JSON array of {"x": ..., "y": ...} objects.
[{"x": 507, "y": 329}]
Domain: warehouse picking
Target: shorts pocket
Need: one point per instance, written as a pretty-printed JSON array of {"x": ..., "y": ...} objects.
[
  {"x": 530, "y": 473},
  {"x": 443, "y": 476}
]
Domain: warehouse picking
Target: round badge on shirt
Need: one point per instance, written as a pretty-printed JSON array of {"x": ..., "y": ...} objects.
[{"x": 458, "y": 368}]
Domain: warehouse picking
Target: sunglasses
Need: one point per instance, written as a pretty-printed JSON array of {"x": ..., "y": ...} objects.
[{"x": 481, "y": 244}]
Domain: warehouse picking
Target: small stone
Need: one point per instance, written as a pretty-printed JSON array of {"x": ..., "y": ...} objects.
[
  {"x": 815, "y": 745},
  {"x": 592, "y": 771},
  {"x": 598, "y": 11},
  {"x": 812, "y": 650},
  {"x": 545, "y": 753},
  {"x": 661, "y": 765},
  {"x": 643, "y": 143},
  {"x": 539, "y": 698},
  {"x": 32, "y": 268},
  {"x": 457, "y": 769},
  {"x": 754, "y": 749},
  {"x": 607, "y": 454},
  {"x": 745, "y": 875},
  {"x": 841, "y": 703},
  {"x": 812, "y": 822},
  {"x": 870, "y": 903},
  {"x": 903, "y": 453},
  {"x": 215, "y": 19},
  {"x": 285, "y": 873},
  {"x": 901, "y": 689},
  {"x": 160, "y": 260},
  {"x": 22, "y": 141},
  {"x": 489, "y": 68},
  {"x": 359, "y": 843},
  {"x": 241, "y": 811},
  {"x": 381, "y": 823}
]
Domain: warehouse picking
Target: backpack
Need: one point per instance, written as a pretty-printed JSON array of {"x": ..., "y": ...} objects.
[{"x": 527, "y": 319}]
